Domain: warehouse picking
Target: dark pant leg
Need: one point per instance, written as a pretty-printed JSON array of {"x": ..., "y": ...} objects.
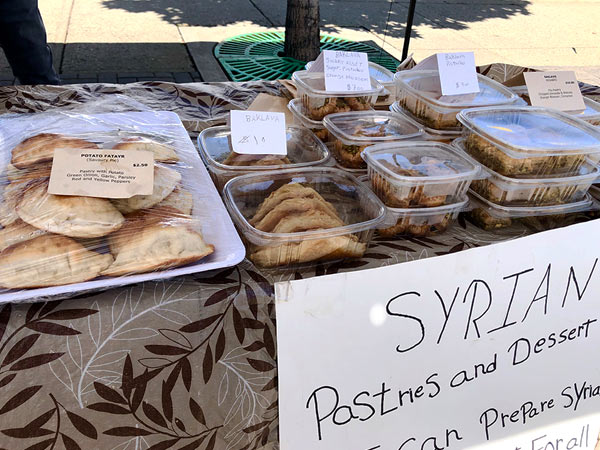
[{"x": 23, "y": 38}]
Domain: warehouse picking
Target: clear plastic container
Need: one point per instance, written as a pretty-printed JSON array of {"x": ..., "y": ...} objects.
[
  {"x": 590, "y": 114},
  {"x": 291, "y": 217},
  {"x": 421, "y": 222},
  {"x": 300, "y": 118},
  {"x": 549, "y": 190},
  {"x": 303, "y": 147},
  {"x": 491, "y": 216},
  {"x": 419, "y": 92},
  {"x": 350, "y": 133},
  {"x": 523, "y": 141},
  {"x": 319, "y": 102},
  {"x": 435, "y": 135},
  {"x": 418, "y": 174}
]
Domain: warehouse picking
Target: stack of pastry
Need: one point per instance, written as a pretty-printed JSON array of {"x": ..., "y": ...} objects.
[
  {"x": 50, "y": 240},
  {"x": 294, "y": 208}
]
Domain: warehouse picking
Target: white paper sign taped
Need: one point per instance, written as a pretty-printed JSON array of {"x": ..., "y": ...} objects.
[
  {"x": 558, "y": 90},
  {"x": 258, "y": 133},
  {"x": 458, "y": 74},
  {"x": 492, "y": 348}
]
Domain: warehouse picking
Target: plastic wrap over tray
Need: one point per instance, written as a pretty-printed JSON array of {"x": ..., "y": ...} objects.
[{"x": 52, "y": 245}]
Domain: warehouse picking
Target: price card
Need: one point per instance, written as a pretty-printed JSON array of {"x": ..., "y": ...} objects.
[
  {"x": 102, "y": 173},
  {"x": 558, "y": 90},
  {"x": 346, "y": 71},
  {"x": 258, "y": 133},
  {"x": 457, "y": 73}
]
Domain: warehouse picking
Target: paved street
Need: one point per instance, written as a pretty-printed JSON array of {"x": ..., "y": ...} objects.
[{"x": 128, "y": 40}]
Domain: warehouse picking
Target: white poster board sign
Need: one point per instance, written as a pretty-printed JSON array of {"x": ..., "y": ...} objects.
[{"x": 491, "y": 348}]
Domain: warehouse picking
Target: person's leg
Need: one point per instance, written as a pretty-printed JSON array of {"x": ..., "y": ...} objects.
[{"x": 23, "y": 38}]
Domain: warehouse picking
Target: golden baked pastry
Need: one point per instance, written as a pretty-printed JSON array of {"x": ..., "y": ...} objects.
[
  {"x": 49, "y": 260},
  {"x": 9, "y": 199},
  {"x": 157, "y": 239},
  {"x": 337, "y": 247},
  {"x": 238, "y": 159},
  {"x": 18, "y": 231},
  {"x": 180, "y": 199},
  {"x": 162, "y": 153},
  {"x": 294, "y": 208},
  {"x": 288, "y": 191},
  {"x": 84, "y": 217},
  {"x": 40, "y": 148},
  {"x": 165, "y": 181}
]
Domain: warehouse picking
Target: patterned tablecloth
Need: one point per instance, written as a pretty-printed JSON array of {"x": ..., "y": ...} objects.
[{"x": 187, "y": 363}]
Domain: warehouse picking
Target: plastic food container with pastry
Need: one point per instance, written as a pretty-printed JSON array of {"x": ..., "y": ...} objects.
[
  {"x": 525, "y": 141},
  {"x": 546, "y": 190},
  {"x": 318, "y": 102},
  {"x": 350, "y": 133},
  {"x": 421, "y": 222},
  {"x": 292, "y": 217},
  {"x": 590, "y": 114},
  {"x": 491, "y": 216},
  {"x": 52, "y": 246},
  {"x": 431, "y": 133},
  {"x": 316, "y": 126},
  {"x": 418, "y": 174},
  {"x": 304, "y": 149},
  {"x": 419, "y": 92}
]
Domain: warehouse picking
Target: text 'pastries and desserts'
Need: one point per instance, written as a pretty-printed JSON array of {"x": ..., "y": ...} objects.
[
  {"x": 159, "y": 239},
  {"x": 165, "y": 181},
  {"x": 49, "y": 260},
  {"x": 162, "y": 153},
  {"x": 40, "y": 148},
  {"x": 295, "y": 208},
  {"x": 84, "y": 217}
]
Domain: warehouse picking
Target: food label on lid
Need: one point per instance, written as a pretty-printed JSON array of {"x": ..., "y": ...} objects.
[
  {"x": 457, "y": 73},
  {"x": 102, "y": 173},
  {"x": 558, "y": 90},
  {"x": 258, "y": 133},
  {"x": 344, "y": 71}
]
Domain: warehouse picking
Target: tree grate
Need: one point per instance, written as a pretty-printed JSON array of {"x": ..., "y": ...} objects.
[{"x": 257, "y": 56}]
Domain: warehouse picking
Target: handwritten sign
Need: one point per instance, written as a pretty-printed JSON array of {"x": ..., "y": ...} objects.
[
  {"x": 457, "y": 73},
  {"x": 258, "y": 133},
  {"x": 101, "y": 173},
  {"x": 492, "y": 348},
  {"x": 558, "y": 90}
]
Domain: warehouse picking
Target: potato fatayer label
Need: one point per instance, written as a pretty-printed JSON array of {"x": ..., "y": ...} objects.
[
  {"x": 102, "y": 173},
  {"x": 490, "y": 348}
]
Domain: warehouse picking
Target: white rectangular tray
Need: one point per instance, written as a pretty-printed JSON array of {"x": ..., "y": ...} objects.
[{"x": 217, "y": 227}]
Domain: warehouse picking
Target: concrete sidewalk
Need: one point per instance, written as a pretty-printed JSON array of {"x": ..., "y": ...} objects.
[{"x": 125, "y": 40}]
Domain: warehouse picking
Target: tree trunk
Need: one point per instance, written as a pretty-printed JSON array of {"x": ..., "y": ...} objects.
[{"x": 302, "y": 29}]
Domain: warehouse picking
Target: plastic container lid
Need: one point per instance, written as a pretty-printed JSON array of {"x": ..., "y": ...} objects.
[
  {"x": 297, "y": 108},
  {"x": 521, "y": 131},
  {"x": 586, "y": 173},
  {"x": 590, "y": 113},
  {"x": 371, "y": 127},
  {"x": 510, "y": 212},
  {"x": 425, "y": 85},
  {"x": 419, "y": 161},
  {"x": 303, "y": 149},
  {"x": 314, "y": 84},
  {"x": 439, "y": 134}
]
